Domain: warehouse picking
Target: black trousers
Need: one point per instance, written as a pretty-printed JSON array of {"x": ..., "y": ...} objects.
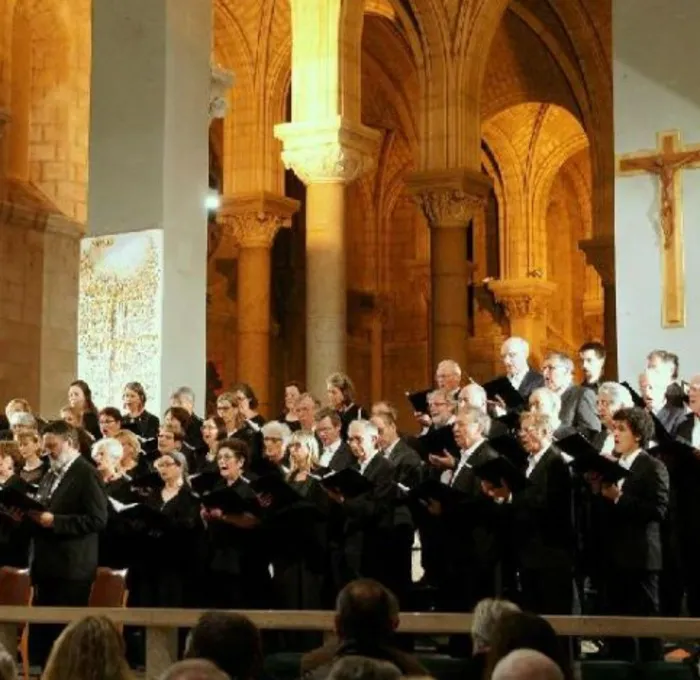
[
  {"x": 54, "y": 593},
  {"x": 632, "y": 593},
  {"x": 547, "y": 591}
]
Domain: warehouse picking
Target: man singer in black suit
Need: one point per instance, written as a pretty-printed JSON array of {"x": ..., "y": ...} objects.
[
  {"x": 633, "y": 510},
  {"x": 64, "y": 545}
]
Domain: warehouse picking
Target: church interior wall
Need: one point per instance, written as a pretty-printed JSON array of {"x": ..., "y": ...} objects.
[{"x": 655, "y": 90}]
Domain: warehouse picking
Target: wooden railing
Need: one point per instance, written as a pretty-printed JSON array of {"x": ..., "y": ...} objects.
[{"x": 161, "y": 625}]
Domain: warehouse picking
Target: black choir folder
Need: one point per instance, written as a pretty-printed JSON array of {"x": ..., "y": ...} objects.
[
  {"x": 142, "y": 517},
  {"x": 510, "y": 448},
  {"x": 499, "y": 470},
  {"x": 503, "y": 388},
  {"x": 586, "y": 458},
  {"x": 419, "y": 400},
  {"x": 229, "y": 501},
  {"x": 12, "y": 498},
  {"x": 438, "y": 441},
  {"x": 434, "y": 489},
  {"x": 204, "y": 482},
  {"x": 276, "y": 487},
  {"x": 348, "y": 482}
]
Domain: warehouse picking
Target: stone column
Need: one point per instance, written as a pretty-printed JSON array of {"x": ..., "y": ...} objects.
[
  {"x": 143, "y": 280},
  {"x": 600, "y": 254},
  {"x": 326, "y": 157},
  {"x": 525, "y": 302},
  {"x": 449, "y": 199},
  {"x": 254, "y": 220}
]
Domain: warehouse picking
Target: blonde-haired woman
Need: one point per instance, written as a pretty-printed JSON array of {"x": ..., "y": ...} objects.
[
  {"x": 299, "y": 542},
  {"x": 89, "y": 649}
]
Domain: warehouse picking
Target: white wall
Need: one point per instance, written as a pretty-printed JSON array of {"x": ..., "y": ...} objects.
[
  {"x": 149, "y": 165},
  {"x": 657, "y": 88}
]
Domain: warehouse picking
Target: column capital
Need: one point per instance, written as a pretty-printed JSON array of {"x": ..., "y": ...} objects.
[
  {"x": 449, "y": 198},
  {"x": 335, "y": 150},
  {"x": 600, "y": 254},
  {"x": 522, "y": 298},
  {"x": 255, "y": 218},
  {"x": 221, "y": 82}
]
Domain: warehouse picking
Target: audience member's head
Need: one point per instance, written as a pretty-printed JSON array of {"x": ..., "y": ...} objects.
[
  {"x": 522, "y": 630},
  {"x": 487, "y": 614},
  {"x": 526, "y": 664},
  {"x": 231, "y": 641},
  {"x": 89, "y": 649},
  {"x": 194, "y": 669},
  {"x": 363, "y": 668},
  {"x": 8, "y": 667},
  {"x": 366, "y": 611}
]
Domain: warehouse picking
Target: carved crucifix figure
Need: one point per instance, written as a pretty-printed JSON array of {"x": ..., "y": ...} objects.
[{"x": 666, "y": 162}]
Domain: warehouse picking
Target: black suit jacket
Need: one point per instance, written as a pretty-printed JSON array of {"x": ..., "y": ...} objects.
[
  {"x": 407, "y": 464},
  {"x": 532, "y": 381},
  {"x": 342, "y": 458},
  {"x": 542, "y": 515},
  {"x": 69, "y": 549},
  {"x": 471, "y": 524},
  {"x": 632, "y": 526},
  {"x": 578, "y": 410},
  {"x": 671, "y": 417}
]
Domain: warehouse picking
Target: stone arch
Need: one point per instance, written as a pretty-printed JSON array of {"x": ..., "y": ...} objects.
[{"x": 530, "y": 143}]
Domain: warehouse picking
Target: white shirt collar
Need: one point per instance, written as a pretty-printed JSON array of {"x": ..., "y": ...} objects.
[
  {"x": 391, "y": 447},
  {"x": 366, "y": 462},
  {"x": 517, "y": 378},
  {"x": 628, "y": 460}
]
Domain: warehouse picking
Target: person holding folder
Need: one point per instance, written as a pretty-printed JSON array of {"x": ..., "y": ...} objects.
[
  {"x": 65, "y": 536},
  {"x": 633, "y": 510}
]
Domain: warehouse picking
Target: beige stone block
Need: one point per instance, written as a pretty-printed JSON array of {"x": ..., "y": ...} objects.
[{"x": 43, "y": 152}]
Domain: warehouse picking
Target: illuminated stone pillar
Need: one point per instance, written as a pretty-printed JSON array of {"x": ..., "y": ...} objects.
[
  {"x": 449, "y": 200},
  {"x": 326, "y": 158},
  {"x": 525, "y": 302},
  {"x": 600, "y": 254},
  {"x": 144, "y": 272},
  {"x": 254, "y": 220}
]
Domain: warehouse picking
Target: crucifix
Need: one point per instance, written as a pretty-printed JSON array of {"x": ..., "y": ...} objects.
[{"x": 666, "y": 163}]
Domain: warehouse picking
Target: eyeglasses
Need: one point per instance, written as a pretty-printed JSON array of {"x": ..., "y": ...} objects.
[
  {"x": 107, "y": 421},
  {"x": 272, "y": 439}
]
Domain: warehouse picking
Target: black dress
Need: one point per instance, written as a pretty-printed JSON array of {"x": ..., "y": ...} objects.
[
  {"x": 14, "y": 536},
  {"x": 145, "y": 425},
  {"x": 238, "y": 575},
  {"x": 115, "y": 541},
  {"x": 164, "y": 559},
  {"x": 91, "y": 424}
]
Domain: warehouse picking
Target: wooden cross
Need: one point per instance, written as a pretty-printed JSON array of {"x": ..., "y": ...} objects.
[{"x": 666, "y": 162}]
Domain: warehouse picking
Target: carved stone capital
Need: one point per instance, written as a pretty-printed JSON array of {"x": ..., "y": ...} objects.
[
  {"x": 600, "y": 254},
  {"x": 331, "y": 151},
  {"x": 221, "y": 82},
  {"x": 450, "y": 198},
  {"x": 523, "y": 298},
  {"x": 255, "y": 218}
]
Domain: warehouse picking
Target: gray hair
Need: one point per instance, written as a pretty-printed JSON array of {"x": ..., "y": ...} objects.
[
  {"x": 194, "y": 669},
  {"x": 470, "y": 415},
  {"x": 369, "y": 434},
  {"x": 363, "y": 668},
  {"x": 486, "y": 618},
  {"x": 618, "y": 395},
  {"x": 184, "y": 393},
  {"x": 449, "y": 397},
  {"x": 22, "y": 419},
  {"x": 563, "y": 359},
  {"x": 519, "y": 344},
  {"x": 451, "y": 365},
  {"x": 477, "y": 395},
  {"x": 112, "y": 447},
  {"x": 552, "y": 399},
  {"x": 276, "y": 429}
]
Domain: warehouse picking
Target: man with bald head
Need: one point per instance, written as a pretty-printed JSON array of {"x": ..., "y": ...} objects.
[
  {"x": 515, "y": 353},
  {"x": 526, "y": 664}
]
